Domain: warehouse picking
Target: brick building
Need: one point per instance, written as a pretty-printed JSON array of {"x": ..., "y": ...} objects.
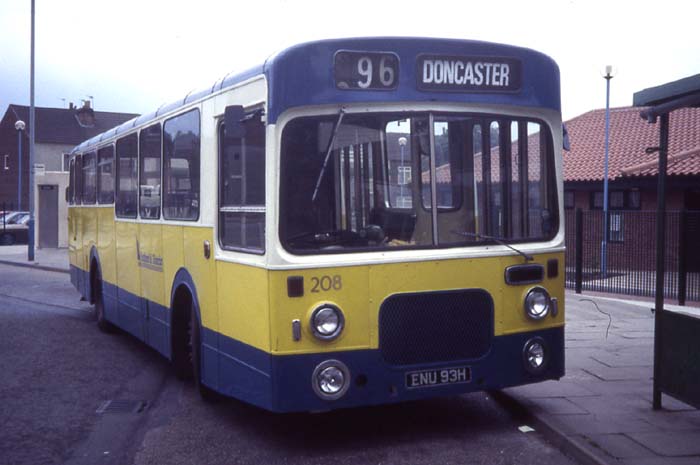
[
  {"x": 632, "y": 184},
  {"x": 58, "y": 130}
]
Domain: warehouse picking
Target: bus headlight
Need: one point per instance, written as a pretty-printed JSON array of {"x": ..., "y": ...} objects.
[
  {"x": 331, "y": 379},
  {"x": 327, "y": 322},
  {"x": 537, "y": 303},
  {"x": 535, "y": 356}
]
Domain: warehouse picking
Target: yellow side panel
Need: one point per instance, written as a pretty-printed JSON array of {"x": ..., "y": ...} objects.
[
  {"x": 78, "y": 238},
  {"x": 128, "y": 271},
  {"x": 72, "y": 215},
  {"x": 150, "y": 249},
  {"x": 173, "y": 258},
  {"x": 243, "y": 303},
  {"x": 106, "y": 243},
  {"x": 89, "y": 234},
  {"x": 202, "y": 270},
  {"x": 345, "y": 287}
]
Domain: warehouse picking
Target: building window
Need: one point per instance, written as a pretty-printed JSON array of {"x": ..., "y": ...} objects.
[
  {"x": 634, "y": 201},
  {"x": 6, "y": 163},
  {"x": 616, "y": 225},
  {"x": 569, "y": 200},
  {"x": 404, "y": 175},
  {"x": 617, "y": 200},
  {"x": 66, "y": 162},
  {"x": 597, "y": 201}
]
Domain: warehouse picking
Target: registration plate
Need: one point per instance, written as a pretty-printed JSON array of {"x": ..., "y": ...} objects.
[{"x": 437, "y": 377}]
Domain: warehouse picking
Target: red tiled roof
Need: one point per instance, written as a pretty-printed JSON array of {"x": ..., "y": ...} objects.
[{"x": 630, "y": 135}]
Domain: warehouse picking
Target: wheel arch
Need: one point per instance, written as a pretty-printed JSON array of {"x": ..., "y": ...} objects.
[
  {"x": 95, "y": 270},
  {"x": 183, "y": 300}
]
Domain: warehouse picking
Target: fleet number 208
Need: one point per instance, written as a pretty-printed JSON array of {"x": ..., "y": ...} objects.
[{"x": 326, "y": 283}]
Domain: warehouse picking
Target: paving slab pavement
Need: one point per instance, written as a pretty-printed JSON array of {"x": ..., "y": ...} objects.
[
  {"x": 44, "y": 259},
  {"x": 601, "y": 411}
]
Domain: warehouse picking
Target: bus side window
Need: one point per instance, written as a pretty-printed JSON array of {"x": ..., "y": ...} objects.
[
  {"x": 71, "y": 183},
  {"x": 89, "y": 178},
  {"x": 105, "y": 175},
  {"x": 181, "y": 143},
  {"x": 149, "y": 172},
  {"x": 242, "y": 188},
  {"x": 127, "y": 177},
  {"x": 78, "y": 176}
]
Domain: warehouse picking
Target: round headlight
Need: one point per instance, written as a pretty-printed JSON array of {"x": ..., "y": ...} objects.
[
  {"x": 331, "y": 379},
  {"x": 327, "y": 322},
  {"x": 535, "y": 355},
  {"x": 537, "y": 303}
]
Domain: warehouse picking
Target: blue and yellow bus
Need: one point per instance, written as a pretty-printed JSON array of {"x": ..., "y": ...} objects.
[{"x": 355, "y": 222}]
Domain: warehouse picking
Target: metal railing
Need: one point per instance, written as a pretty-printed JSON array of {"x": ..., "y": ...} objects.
[{"x": 631, "y": 253}]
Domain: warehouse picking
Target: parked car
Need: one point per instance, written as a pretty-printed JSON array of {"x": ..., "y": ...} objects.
[{"x": 14, "y": 228}]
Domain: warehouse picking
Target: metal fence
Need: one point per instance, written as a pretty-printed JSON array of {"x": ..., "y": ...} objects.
[{"x": 631, "y": 253}]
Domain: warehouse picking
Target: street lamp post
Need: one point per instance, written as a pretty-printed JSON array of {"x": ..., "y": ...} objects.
[
  {"x": 604, "y": 245},
  {"x": 402, "y": 171},
  {"x": 32, "y": 133},
  {"x": 19, "y": 126}
]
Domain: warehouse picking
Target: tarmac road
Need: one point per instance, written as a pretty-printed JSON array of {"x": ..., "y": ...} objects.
[{"x": 58, "y": 370}]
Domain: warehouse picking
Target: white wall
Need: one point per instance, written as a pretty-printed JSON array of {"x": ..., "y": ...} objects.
[{"x": 51, "y": 155}]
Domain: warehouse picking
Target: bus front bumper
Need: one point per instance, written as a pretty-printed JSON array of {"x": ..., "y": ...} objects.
[{"x": 369, "y": 380}]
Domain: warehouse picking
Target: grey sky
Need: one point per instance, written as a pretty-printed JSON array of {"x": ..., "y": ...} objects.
[{"x": 133, "y": 55}]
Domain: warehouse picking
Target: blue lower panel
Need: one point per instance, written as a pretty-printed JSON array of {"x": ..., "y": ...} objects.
[
  {"x": 286, "y": 385},
  {"x": 282, "y": 383},
  {"x": 146, "y": 320}
]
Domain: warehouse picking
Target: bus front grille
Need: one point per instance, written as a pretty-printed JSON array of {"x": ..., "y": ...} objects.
[{"x": 435, "y": 327}]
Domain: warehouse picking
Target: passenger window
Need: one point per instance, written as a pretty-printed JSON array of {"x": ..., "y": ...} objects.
[
  {"x": 78, "y": 177},
  {"x": 105, "y": 175},
  {"x": 89, "y": 178},
  {"x": 181, "y": 144},
  {"x": 149, "y": 172},
  {"x": 242, "y": 188},
  {"x": 71, "y": 182},
  {"x": 127, "y": 177}
]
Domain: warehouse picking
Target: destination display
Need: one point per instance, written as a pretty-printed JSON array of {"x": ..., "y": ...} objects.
[
  {"x": 366, "y": 70},
  {"x": 468, "y": 73}
]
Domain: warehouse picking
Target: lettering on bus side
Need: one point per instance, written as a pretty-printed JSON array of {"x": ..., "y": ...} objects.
[
  {"x": 468, "y": 74},
  {"x": 149, "y": 261}
]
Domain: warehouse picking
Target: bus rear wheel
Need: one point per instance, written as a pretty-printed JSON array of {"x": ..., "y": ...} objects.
[
  {"x": 205, "y": 392},
  {"x": 102, "y": 323}
]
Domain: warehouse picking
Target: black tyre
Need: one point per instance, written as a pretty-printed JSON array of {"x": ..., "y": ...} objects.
[
  {"x": 206, "y": 393},
  {"x": 102, "y": 323}
]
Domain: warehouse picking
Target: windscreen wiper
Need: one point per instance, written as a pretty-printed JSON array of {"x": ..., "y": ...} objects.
[
  {"x": 341, "y": 113},
  {"x": 498, "y": 240}
]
